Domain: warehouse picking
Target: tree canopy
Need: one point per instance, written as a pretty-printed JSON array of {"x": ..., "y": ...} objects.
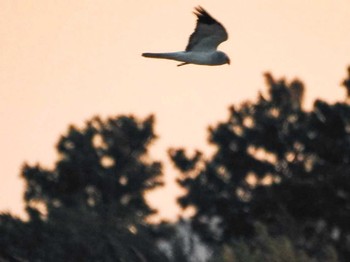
[
  {"x": 102, "y": 166},
  {"x": 275, "y": 189},
  {"x": 91, "y": 205},
  {"x": 274, "y": 163}
]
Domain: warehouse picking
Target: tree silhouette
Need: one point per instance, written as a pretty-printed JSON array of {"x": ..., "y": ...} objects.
[
  {"x": 102, "y": 167},
  {"x": 346, "y": 83},
  {"x": 90, "y": 206},
  {"x": 278, "y": 164}
]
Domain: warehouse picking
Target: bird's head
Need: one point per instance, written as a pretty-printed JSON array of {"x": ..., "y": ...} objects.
[
  {"x": 228, "y": 61},
  {"x": 222, "y": 58},
  {"x": 225, "y": 59}
]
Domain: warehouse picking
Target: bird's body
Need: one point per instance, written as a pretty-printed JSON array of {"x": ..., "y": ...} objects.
[{"x": 203, "y": 43}]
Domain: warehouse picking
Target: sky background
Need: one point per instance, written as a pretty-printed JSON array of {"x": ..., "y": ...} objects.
[{"x": 63, "y": 62}]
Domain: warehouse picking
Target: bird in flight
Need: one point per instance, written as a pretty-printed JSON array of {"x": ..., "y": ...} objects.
[{"x": 202, "y": 46}]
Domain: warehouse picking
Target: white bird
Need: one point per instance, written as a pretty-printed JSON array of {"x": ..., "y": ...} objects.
[{"x": 202, "y": 46}]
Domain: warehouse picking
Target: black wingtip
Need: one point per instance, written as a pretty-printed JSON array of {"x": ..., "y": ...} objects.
[{"x": 203, "y": 16}]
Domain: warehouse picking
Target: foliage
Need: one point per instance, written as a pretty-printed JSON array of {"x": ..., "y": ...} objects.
[
  {"x": 278, "y": 164},
  {"x": 76, "y": 235},
  {"x": 91, "y": 205},
  {"x": 266, "y": 248},
  {"x": 276, "y": 189},
  {"x": 179, "y": 243},
  {"x": 101, "y": 167}
]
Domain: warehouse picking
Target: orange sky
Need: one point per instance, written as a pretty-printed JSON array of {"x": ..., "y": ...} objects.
[{"x": 62, "y": 62}]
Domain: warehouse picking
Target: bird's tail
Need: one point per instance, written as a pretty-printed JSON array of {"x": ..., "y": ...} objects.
[
  {"x": 178, "y": 56},
  {"x": 160, "y": 55}
]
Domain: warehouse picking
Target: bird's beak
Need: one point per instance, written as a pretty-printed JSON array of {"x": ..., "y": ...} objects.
[{"x": 228, "y": 61}]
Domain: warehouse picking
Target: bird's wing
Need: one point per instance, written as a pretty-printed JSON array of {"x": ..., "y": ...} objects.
[{"x": 208, "y": 34}]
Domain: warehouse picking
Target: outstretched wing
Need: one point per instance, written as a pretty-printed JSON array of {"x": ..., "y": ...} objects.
[{"x": 208, "y": 34}]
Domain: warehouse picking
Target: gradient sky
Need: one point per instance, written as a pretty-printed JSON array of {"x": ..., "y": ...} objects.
[{"x": 62, "y": 62}]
